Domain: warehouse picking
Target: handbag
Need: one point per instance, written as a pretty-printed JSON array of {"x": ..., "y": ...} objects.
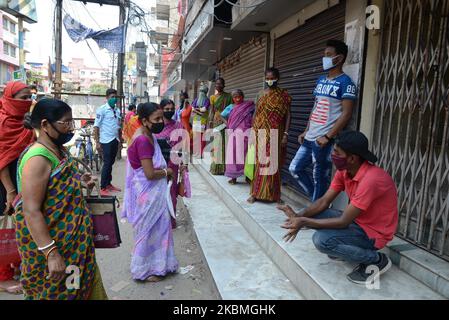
[
  {"x": 105, "y": 222},
  {"x": 250, "y": 161},
  {"x": 9, "y": 252}
]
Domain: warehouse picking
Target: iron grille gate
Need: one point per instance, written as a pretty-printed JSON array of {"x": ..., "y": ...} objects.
[{"x": 411, "y": 132}]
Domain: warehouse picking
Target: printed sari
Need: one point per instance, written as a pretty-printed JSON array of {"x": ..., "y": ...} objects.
[
  {"x": 70, "y": 225},
  {"x": 219, "y": 103},
  {"x": 240, "y": 120},
  {"x": 130, "y": 127},
  {"x": 147, "y": 209},
  {"x": 271, "y": 112}
]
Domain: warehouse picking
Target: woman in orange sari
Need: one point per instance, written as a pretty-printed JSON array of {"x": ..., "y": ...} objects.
[
  {"x": 130, "y": 126},
  {"x": 272, "y": 113}
]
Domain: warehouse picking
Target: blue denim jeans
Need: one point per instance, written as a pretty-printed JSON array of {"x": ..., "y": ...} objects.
[
  {"x": 350, "y": 244},
  {"x": 311, "y": 153}
]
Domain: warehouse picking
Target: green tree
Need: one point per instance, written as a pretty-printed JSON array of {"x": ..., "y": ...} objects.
[{"x": 98, "y": 88}]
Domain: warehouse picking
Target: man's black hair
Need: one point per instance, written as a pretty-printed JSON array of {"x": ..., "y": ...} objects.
[
  {"x": 274, "y": 71},
  {"x": 110, "y": 91},
  {"x": 339, "y": 46}
]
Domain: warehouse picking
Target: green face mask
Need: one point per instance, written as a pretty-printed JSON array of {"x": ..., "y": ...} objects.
[{"x": 112, "y": 102}]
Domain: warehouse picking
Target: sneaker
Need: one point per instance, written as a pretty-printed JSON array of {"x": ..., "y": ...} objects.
[
  {"x": 105, "y": 193},
  {"x": 113, "y": 189},
  {"x": 360, "y": 275}
]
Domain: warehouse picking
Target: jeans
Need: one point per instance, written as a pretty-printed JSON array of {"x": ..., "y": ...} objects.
[
  {"x": 109, "y": 154},
  {"x": 311, "y": 153},
  {"x": 350, "y": 244}
]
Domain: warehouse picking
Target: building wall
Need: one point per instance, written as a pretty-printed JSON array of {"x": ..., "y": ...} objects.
[
  {"x": 8, "y": 63},
  {"x": 369, "y": 95}
]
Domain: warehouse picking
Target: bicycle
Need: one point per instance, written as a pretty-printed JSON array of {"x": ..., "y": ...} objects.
[{"x": 85, "y": 150}]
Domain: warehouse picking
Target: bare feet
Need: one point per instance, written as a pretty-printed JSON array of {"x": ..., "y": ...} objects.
[
  {"x": 251, "y": 200},
  {"x": 233, "y": 181},
  {"x": 154, "y": 279}
]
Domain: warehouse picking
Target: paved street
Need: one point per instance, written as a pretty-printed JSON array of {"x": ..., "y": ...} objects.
[{"x": 197, "y": 284}]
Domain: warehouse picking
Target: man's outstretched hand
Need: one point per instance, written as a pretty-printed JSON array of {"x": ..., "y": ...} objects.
[
  {"x": 293, "y": 225},
  {"x": 289, "y": 212}
]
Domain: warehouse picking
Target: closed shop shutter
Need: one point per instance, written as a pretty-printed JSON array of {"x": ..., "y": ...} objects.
[
  {"x": 298, "y": 56},
  {"x": 411, "y": 118},
  {"x": 245, "y": 68}
]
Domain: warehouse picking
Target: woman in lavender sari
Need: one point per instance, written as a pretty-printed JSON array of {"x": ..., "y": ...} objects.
[
  {"x": 168, "y": 106},
  {"x": 238, "y": 121},
  {"x": 146, "y": 205}
]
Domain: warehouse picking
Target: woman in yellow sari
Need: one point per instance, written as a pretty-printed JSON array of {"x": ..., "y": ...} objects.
[
  {"x": 218, "y": 103},
  {"x": 272, "y": 113},
  {"x": 54, "y": 229}
]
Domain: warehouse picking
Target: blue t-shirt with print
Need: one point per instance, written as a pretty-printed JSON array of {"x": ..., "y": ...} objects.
[{"x": 329, "y": 95}]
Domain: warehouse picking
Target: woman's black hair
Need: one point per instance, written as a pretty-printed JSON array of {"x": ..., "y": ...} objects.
[
  {"x": 166, "y": 102},
  {"x": 222, "y": 81},
  {"x": 51, "y": 109},
  {"x": 131, "y": 107},
  {"x": 147, "y": 109},
  {"x": 274, "y": 71},
  {"x": 185, "y": 94}
]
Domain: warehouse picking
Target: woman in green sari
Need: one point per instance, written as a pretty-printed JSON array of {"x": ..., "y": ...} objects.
[
  {"x": 54, "y": 229},
  {"x": 218, "y": 102}
]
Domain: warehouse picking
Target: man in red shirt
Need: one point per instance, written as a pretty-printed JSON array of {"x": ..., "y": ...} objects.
[{"x": 369, "y": 221}]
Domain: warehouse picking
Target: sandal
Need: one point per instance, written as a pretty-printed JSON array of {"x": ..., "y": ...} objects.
[{"x": 154, "y": 279}]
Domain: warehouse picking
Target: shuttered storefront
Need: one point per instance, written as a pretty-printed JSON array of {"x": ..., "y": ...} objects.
[
  {"x": 244, "y": 68},
  {"x": 411, "y": 125},
  {"x": 298, "y": 56}
]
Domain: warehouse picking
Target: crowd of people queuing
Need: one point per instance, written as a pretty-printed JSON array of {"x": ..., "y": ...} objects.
[{"x": 52, "y": 221}]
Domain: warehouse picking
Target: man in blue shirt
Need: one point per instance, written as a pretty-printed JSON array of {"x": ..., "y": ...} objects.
[
  {"x": 335, "y": 94},
  {"x": 107, "y": 133}
]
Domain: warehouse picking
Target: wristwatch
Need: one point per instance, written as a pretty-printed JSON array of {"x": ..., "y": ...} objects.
[{"x": 327, "y": 137}]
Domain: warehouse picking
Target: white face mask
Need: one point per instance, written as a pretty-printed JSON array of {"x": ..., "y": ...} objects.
[
  {"x": 271, "y": 83},
  {"x": 328, "y": 63}
]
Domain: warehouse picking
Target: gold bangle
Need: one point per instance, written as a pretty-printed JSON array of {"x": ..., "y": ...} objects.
[{"x": 50, "y": 251}]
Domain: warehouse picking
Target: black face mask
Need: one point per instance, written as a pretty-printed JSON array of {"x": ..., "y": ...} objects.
[
  {"x": 62, "y": 139},
  {"x": 157, "y": 127},
  {"x": 169, "y": 115}
]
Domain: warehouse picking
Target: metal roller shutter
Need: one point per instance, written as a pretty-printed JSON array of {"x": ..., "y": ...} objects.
[
  {"x": 298, "y": 56},
  {"x": 245, "y": 68}
]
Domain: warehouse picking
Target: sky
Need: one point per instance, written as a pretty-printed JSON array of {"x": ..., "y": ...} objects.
[{"x": 40, "y": 37}]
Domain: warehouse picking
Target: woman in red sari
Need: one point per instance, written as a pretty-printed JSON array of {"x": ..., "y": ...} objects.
[
  {"x": 272, "y": 113},
  {"x": 183, "y": 115},
  {"x": 14, "y": 104}
]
